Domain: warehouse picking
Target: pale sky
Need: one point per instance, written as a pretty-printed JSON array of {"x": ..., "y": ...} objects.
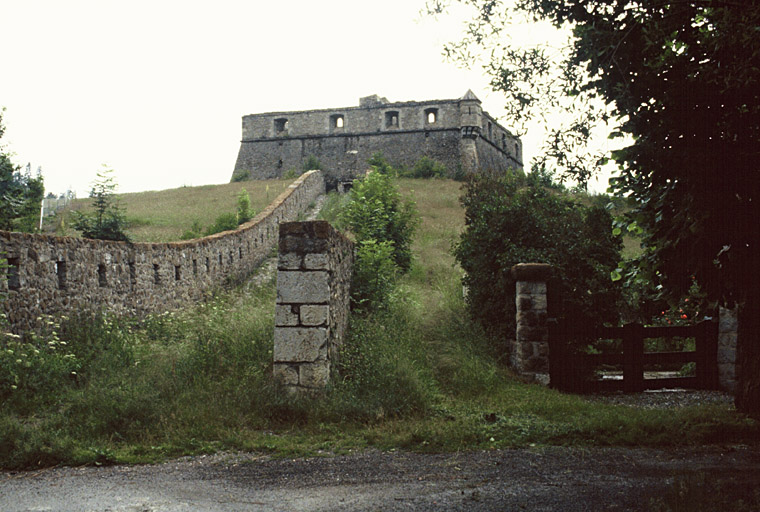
[{"x": 156, "y": 89}]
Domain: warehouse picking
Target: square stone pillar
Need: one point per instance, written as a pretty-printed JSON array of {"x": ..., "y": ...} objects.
[
  {"x": 530, "y": 348},
  {"x": 728, "y": 326}
]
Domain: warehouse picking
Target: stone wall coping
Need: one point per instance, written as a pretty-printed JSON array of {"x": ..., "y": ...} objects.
[{"x": 531, "y": 271}]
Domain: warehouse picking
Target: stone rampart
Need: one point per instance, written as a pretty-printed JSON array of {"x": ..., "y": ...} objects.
[
  {"x": 51, "y": 275},
  {"x": 313, "y": 285}
]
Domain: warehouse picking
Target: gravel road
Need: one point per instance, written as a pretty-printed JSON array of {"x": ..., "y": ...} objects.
[{"x": 556, "y": 479}]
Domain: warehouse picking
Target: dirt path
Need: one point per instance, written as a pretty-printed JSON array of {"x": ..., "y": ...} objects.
[{"x": 556, "y": 479}]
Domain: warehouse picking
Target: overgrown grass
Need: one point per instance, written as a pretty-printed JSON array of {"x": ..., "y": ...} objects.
[
  {"x": 417, "y": 376},
  {"x": 164, "y": 215}
]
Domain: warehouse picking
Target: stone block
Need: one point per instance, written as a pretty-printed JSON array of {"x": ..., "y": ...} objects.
[
  {"x": 314, "y": 315},
  {"x": 535, "y": 302},
  {"x": 289, "y": 261},
  {"x": 300, "y": 344},
  {"x": 728, "y": 322},
  {"x": 726, "y": 371},
  {"x": 530, "y": 288},
  {"x": 285, "y": 373},
  {"x": 526, "y": 333},
  {"x": 315, "y": 375},
  {"x": 726, "y": 355},
  {"x": 727, "y": 339},
  {"x": 315, "y": 262},
  {"x": 285, "y": 315},
  {"x": 303, "y": 287}
]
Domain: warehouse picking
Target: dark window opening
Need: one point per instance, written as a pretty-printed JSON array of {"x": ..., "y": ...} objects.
[
  {"x": 240, "y": 252},
  {"x": 132, "y": 273},
  {"x": 490, "y": 131},
  {"x": 391, "y": 119},
  {"x": 431, "y": 115},
  {"x": 156, "y": 275},
  {"x": 504, "y": 141},
  {"x": 280, "y": 125},
  {"x": 60, "y": 270},
  {"x": 279, "y": 164},
  {"x": 102, "y": 281},
  {"x": 208, "y": 264},
  {"x": 195, "y": 267},
  {"x": 177, "y": 272},
  {"x": 13, "y": 273},
  {"x": 220, "y": 259},
  {"x": 232, "y": 258}
]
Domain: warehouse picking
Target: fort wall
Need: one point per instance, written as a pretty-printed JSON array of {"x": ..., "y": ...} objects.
[
  {"x": 51, "y": 275},
  {"x": 457, "y": 133}
]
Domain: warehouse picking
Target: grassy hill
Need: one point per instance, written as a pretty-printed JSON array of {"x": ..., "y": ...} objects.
[
  {"x": 162, "y": 216},
  {"x": 419, "y": 376}
]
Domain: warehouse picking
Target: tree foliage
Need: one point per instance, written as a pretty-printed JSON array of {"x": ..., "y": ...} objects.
[
  {"x": 377, "y": 212},
  {"x": 682, "y": 81},
  {"x": 507, "y": 224},
  {"x": 20, "y": 193},
  {"x": 107, "y": 220}
]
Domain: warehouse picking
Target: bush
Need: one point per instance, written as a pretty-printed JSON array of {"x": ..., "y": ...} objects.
[
  {"x": 380, "y": 165},
  {"x": 374, "y": 276},
  {"x": 311, "y": 163},
  {"x": 107, "y": 222},
  {"x": 507, "y": 224},
  {"x": 225, "y": 222},
  {"x": 426, "y": 168},
  {"x": 376, "y": 212},
  {"x": 244, "y": 210}
]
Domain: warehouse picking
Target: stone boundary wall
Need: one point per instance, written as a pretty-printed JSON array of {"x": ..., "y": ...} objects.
[
  {"x": 51, "y": 275},
  {"x": 728, "y": 325},
  {"x": 314, "y": 271}
]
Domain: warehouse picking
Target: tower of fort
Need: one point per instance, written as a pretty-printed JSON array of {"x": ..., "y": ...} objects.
[{"x": 456, "y": 133}]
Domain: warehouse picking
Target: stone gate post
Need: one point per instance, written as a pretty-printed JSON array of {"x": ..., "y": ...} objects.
[{"x": 530, "y": 348}]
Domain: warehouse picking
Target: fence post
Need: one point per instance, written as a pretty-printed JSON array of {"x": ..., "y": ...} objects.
[
  {"x": 530, "y": 348},
  {"x": 633, "y": 355}
]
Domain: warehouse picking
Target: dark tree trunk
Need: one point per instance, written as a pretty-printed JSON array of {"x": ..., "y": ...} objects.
[{"x": 748, "y": 359}]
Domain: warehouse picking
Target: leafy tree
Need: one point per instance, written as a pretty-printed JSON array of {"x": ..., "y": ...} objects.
[
  {"x": 20, "y": 193},
  {"x": 682, "y": 81},
  {"x": 107, "y": 221},
  {"x": 376, "y": 212},
  {"x": 507, "y": 223}
]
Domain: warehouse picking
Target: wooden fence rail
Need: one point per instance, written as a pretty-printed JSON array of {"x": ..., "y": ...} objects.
[{"x": 573, "y": 371}]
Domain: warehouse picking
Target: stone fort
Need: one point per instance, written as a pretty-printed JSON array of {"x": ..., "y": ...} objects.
[{"x": 456, "y": 133}]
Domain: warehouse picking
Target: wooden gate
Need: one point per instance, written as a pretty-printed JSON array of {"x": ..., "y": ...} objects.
[{"x": 573, "y": 371}]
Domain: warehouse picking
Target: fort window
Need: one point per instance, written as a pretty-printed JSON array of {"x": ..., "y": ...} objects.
[
  {"x": 232, "y": 258},
  {"x": 156, "y": 276},
  {"x": 240, "y": 251},
  {"x": 391, "y": 119},
  {"x": 431, "y": 115},
  {"x": 208, "y": 265},
  {"x": 60, "y": 270},
  {"x": 13, "y": 274},
  {"x": 281, "y": 126},
  {"x": 177, "y": 272},
  {"x": 279, "y": 163},
  {"x": 503, "y": 141},
  {"x": 220, "y": 259},
  {"x": 336, "y": 122},
  {"x": 132, "y": 273},
  {"x": 195, "y": 267},
  {"x": 102, "y": 281},
  {"x": 490, "y": 130}
]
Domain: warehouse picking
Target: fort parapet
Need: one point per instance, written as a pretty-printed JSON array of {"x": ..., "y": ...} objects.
[{"x": 456, "y": 133}]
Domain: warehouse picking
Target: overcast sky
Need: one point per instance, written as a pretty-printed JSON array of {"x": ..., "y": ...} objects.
[{"x": 156, "y": 89}]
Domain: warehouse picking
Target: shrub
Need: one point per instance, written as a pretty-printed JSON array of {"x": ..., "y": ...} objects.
[
  {"x": 426, "y": 168},
  {"x": 107, "y": 222},
  {"x": 374, "y": 276},
  {"x": 195, "y": 231},
  {"x": 241, "y": 176},
  {"x": 311, "y": 163},
  {"x": 244, "y": 210},
  {"x": 507, "y": 224},
  {"x": 380, "y": 165},
  {"x": 225, "y": 222},
  {"x": 376, "y": 212}
]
